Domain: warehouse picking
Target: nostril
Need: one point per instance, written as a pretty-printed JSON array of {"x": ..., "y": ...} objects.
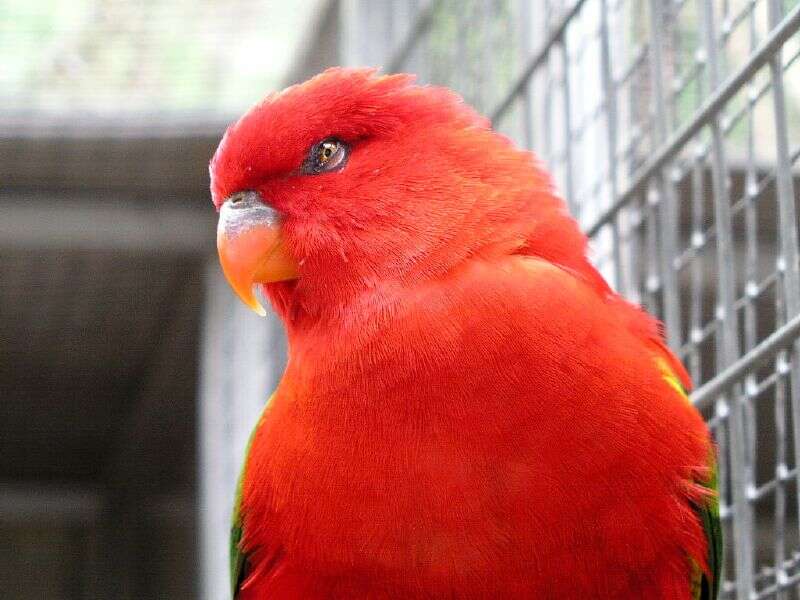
[{"x": 244, "y": 198}]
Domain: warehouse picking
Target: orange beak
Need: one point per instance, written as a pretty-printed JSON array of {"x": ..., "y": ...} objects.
[{"x": 251, "y": 248}]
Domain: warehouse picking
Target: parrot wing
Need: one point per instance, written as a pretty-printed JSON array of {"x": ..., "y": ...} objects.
[
  {"x": 704, "y": 587},
  {"x": 238, "y": 558},
  {"x": 709, "y": 517}
]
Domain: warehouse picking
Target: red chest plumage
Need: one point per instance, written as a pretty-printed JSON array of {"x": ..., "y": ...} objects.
[{"x": 503, "y": 433}]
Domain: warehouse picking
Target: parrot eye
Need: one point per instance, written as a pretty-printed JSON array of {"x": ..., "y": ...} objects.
[{"x": 328, "y": 155}]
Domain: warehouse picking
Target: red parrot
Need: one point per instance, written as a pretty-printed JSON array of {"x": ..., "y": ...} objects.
[{"x": 468, "y": 410}]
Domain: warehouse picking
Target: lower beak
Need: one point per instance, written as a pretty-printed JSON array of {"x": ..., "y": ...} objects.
[{"x": 251, "y": 246}]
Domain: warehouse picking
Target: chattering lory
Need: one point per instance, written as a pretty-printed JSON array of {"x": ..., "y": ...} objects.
[{"x": 468, "y": 409}]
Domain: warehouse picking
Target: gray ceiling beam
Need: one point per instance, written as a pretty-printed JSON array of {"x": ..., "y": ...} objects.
[
  {"x": 150, "y": 163},
  {"x": 31, "y": 223}
]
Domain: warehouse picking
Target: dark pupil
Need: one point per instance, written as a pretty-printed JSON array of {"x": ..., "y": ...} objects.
[{"x": 327, "y": 151}]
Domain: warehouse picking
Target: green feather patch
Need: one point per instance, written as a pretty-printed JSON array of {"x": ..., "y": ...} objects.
[
  {"x": 703, "y": 588},
  {"x": 709, "y": 517},
  {"x": 238, "y": 559}
]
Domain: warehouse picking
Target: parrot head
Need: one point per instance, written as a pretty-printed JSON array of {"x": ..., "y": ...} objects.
[{"x": 354, "y": 183}]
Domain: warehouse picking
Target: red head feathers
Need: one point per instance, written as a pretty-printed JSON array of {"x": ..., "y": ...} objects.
[{"x": 425, "y": 184}]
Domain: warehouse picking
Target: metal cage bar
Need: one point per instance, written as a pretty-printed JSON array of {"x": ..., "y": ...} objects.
[{"x": 689, "y": 114}]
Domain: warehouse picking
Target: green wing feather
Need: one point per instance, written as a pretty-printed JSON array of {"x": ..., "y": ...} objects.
[
  {"x": 709, "y": 517},
  {"x": 238, "y": 559},
  {"x": 703, "y": 588}
]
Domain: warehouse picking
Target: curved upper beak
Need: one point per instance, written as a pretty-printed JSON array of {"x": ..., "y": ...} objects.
[{"x": 251, "y": 247}]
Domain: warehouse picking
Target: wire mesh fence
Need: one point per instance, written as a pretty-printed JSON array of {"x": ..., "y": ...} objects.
[{"x": 672, "y": 128}]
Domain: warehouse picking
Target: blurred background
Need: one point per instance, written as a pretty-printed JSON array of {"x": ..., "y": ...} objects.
[
  {"x": 130, "y": 376},
  {"x": 109, "y": 113}
]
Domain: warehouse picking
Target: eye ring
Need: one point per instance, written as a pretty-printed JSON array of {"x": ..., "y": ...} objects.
[{"x": 326, "y": 156}]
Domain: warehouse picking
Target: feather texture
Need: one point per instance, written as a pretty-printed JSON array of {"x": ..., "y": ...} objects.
[{"x": 468, "y": 410}]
